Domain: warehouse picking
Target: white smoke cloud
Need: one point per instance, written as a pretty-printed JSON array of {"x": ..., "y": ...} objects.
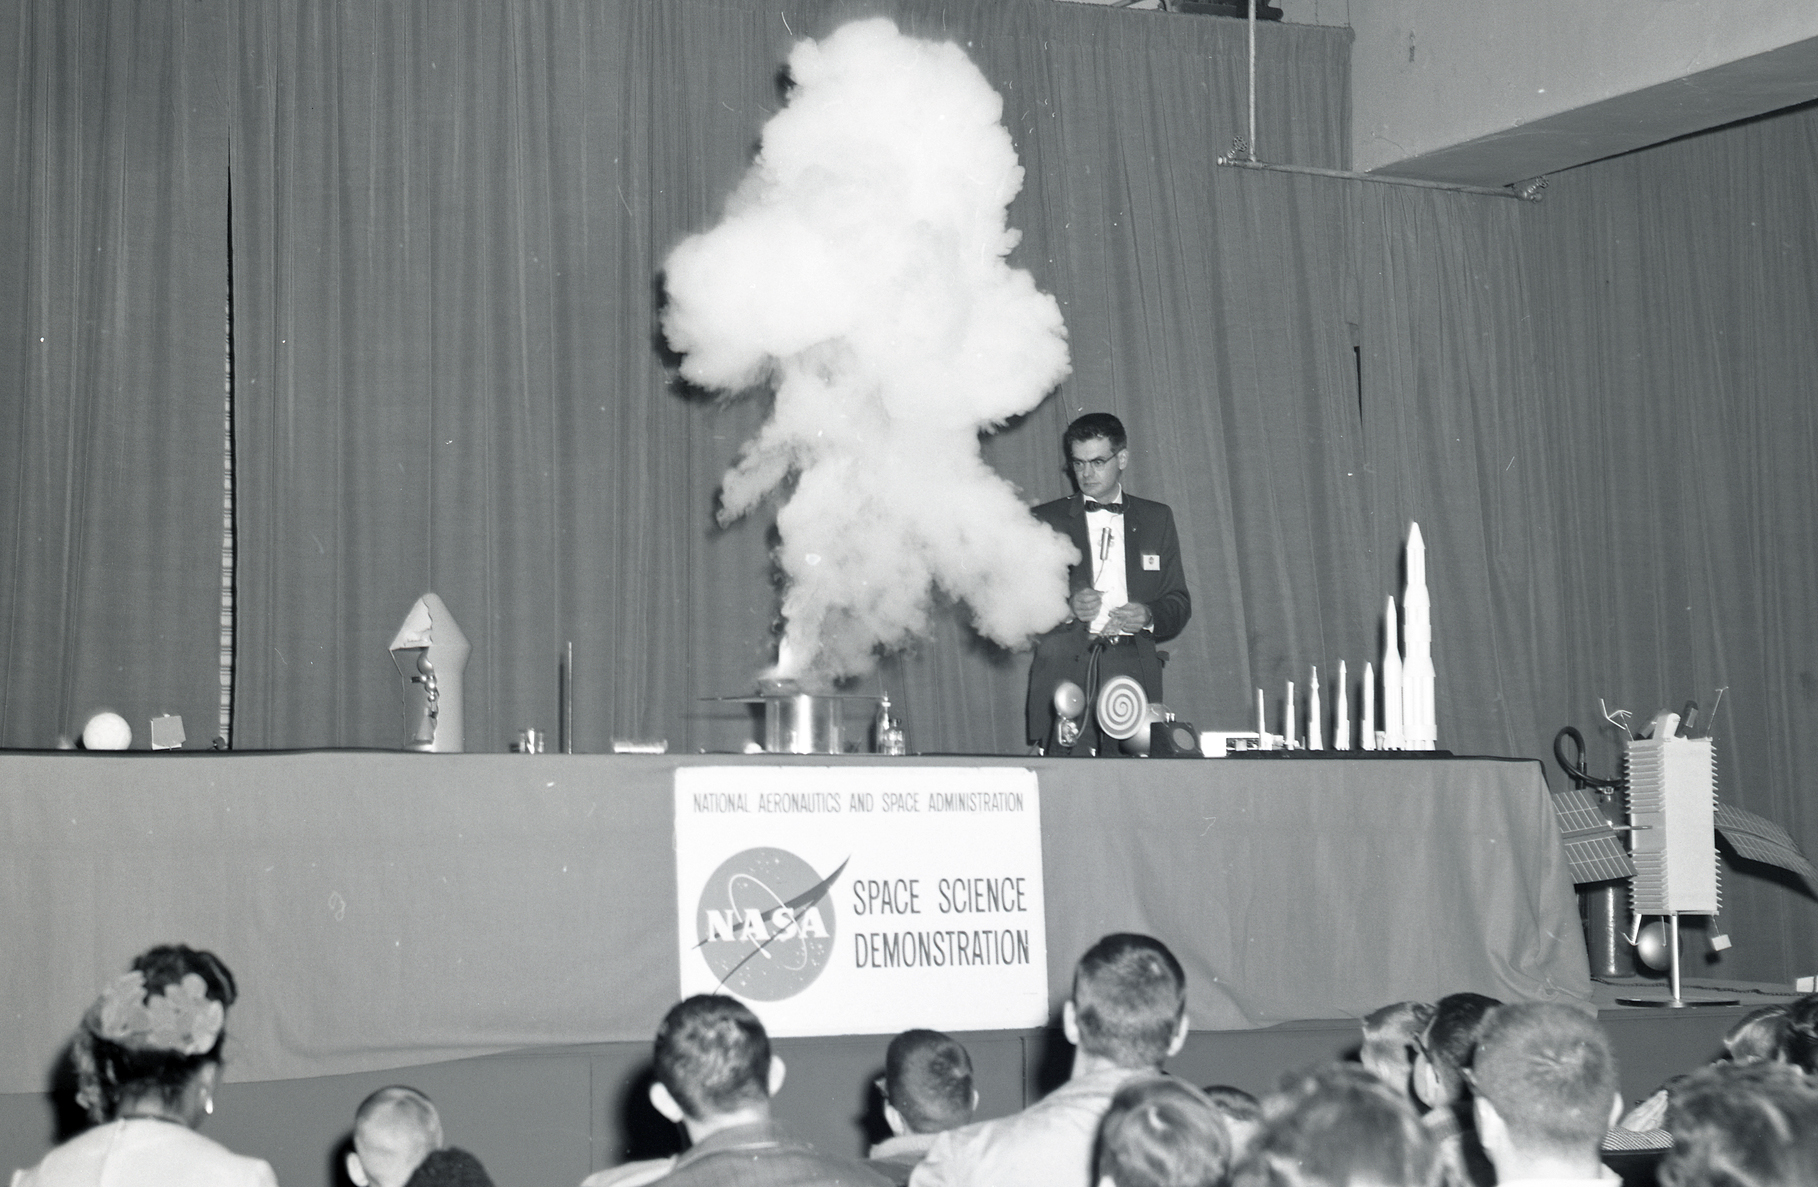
[{"x": 860, "y": 270}]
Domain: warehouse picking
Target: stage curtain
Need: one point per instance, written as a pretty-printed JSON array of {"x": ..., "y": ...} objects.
[
  {"x": 449, "y": 222},
  {"x": 1675, "y": 292},
  {"x": 113, "y": 290},
  {"x": 447, "y": 230}
]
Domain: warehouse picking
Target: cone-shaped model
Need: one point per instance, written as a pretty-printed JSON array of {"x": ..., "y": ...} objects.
[{"x": 431, "y": 655}]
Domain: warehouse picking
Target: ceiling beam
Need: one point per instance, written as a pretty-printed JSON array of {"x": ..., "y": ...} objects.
[{"x": 1736, "y": 90}]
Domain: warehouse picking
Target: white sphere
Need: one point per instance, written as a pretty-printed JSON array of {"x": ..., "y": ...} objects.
[{"x": 107, "y": 731}]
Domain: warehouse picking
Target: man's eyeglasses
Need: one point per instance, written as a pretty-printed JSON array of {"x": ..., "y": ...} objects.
[{"x": 1095, "y": 465}]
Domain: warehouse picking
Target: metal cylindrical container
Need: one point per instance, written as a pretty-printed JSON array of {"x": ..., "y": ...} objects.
[
  {"x": 1605, "y": 910},
  {"x": 802, "y": 723}
]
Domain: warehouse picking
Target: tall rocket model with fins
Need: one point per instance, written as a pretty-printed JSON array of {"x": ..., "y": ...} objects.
[{"x": 1417, "y": 723}]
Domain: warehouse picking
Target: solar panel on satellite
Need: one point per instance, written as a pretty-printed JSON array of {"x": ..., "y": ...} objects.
[
  {"x": 1592, "y": 848},
  {"x": 1760, "y": 839}
]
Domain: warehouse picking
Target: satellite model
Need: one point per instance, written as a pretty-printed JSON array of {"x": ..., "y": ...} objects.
[{"x": 1674, "y": 817}]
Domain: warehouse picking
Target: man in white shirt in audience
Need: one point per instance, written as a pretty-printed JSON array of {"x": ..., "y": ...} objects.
[
  {"x": 1546, "y": 1091},
  {"x": 1127, "y": 1014}
]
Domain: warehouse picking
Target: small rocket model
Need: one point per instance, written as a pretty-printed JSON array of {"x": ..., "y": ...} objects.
[
  {"x": 1316, "y": 739},
  {"x": 1407, "y": 681},
  {"x": 1391, "y": 681},
  {"x": 1417, "y": 722},
  {"x": 1341, "y": 720}
]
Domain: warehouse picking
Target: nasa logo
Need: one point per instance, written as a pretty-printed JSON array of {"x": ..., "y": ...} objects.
[{"x": 765, "y": 923}]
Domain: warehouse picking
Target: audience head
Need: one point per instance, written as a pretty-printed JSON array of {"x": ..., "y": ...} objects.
[
  {"x": 1742, "y": 1125},
  {"x": 713, "y": 1061},
  {"x": 1446, "y": 1046},
  {"x": 1390, "y": 1038},
  {"x": 1339, "y": 1126},
  {"x": 450, "y": 1167},
  {"x": 151, "y": 1043},
  {"x": 1546, "y": 1088},
  {"x": 1162, "y": 1132},
  {"x": 1242, "y": 1115},
  {"x": 1129, "y": 1004},
  {"x": 1759, "y": 1035},
  {"x": 395, "y": 1129},
  {"x": 927, "y": 1083},
  {"x": 1801, "y": 1037}
]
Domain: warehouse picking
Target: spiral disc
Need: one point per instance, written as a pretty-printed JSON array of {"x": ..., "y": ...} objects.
[{"x": 1123, "y": 707}]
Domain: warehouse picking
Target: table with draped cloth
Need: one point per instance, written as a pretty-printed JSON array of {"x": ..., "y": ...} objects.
[{"x": 386, "y": 910}]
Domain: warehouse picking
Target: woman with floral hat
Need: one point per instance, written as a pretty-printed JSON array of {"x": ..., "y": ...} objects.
[{"x": 148, "y": 1057}]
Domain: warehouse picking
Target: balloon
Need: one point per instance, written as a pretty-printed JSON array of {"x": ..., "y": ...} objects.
[{"x": 107, "y": 731}]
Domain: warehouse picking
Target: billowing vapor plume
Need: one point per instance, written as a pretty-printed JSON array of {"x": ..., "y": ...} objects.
[{"x": 859, "y": 270}]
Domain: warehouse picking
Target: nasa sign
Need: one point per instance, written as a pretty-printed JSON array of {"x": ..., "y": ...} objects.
[
  {"x": 765, "y": 902},
  {"x": 864, "y": 899}
]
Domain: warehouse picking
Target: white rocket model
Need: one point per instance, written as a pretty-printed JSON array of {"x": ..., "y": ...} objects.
[
  {"x": 1341, "y": 720},
  {"x": 1316, "y": 738},
  {"x": 1391, "y": 681},
  {"x": 1417, "y": 724}
]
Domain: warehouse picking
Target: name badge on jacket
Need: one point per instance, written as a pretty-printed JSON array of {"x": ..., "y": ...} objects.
[{"x": 1152, "y": 561}]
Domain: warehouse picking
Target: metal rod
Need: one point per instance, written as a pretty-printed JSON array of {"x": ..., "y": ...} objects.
[
  {"x": 1673, "y": 948},
  {"x": 1252, "y": 140},
  {"x": 1348, "y": 175},
  {"x": 568, "y": 700}
]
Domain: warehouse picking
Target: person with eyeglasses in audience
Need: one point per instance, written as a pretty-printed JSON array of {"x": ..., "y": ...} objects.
[{"x": 1442, "y": 1056}]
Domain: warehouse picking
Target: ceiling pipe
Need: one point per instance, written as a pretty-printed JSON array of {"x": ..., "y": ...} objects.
[{"x": 1243, "y": 156}]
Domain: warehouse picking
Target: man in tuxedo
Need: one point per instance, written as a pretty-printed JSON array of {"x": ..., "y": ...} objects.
[{"x": 1128, "y": 589}]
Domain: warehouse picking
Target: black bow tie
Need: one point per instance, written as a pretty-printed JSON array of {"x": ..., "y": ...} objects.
[{"x": 1113, "y": 508}]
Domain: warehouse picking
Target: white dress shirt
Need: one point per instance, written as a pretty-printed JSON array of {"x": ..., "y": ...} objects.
[{"x": 1105, "y": 534}]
